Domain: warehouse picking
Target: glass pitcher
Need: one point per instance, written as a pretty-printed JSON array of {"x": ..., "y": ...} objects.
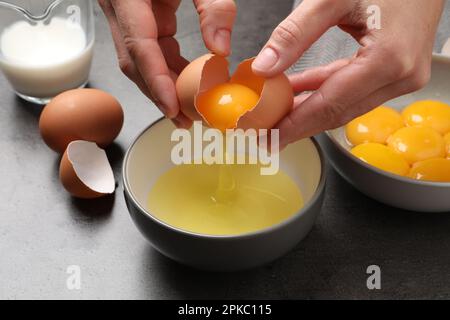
[{"x": 46, "y": 46}]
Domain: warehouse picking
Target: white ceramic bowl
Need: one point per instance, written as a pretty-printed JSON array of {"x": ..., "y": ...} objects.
[{"x": 388, "y": 188}]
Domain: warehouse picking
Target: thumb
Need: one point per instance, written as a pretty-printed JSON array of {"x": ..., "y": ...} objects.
[
  {"x": 216, "y": 23},
  {"x": 297, "y": 33}
]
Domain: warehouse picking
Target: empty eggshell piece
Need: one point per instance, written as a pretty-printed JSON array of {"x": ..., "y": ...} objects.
[
  {"x": 206, "y": 72},
  {"x": 85, "y": 171},
  {"x": 81, "y": 114}
]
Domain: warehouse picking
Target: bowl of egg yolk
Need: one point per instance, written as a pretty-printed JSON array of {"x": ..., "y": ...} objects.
[
  {"x": 221, "y": 217},
  {"x": 399, "y": 153}
]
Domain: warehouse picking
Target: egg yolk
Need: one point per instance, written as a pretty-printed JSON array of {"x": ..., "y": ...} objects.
[
  {"x": 428, "y": 113},
  {"x": 375, "y": 126},
  {"x": 223, "y": 105},
  {"x": 382, "y": 157},
  {"x": 437, "y": 170},
  {"x": 447, "y": 144},
  {"x": 417, "y": 144}
]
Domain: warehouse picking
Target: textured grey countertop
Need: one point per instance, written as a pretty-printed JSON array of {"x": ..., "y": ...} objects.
[{"x": 43, "y": 230}]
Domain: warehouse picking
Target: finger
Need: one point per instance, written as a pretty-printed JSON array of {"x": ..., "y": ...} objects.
[
  {"x": 182, "y": 121},
  {"x": 375, "y": 99},
  {"x": 312, "y": 79},
  {"x": 164, "y": 12},
  {"x": 176, "y": 63},
  {"x": 297, "y": 33},
  {"x": 139, "y": 30},
  {"x": 216, "y": 22},
  {"x": 171, "y": 51},
  {"x": 126, "y": 64},
  {"x": 379, "y": 97}
]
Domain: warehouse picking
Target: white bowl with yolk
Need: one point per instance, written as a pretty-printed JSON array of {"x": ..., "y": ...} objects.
[{"x": 391, "y": 189}]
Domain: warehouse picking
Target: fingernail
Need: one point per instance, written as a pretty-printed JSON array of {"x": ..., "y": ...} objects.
[
  {"x": 222, "y": 39},
  {"x": 265, "y": 60}
]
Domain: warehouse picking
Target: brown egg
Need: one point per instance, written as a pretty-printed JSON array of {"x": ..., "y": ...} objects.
[
  {"x": 276, "y": 94},
  {"x": 85, "y": 171},
  {"x": 81, "y": 114}
]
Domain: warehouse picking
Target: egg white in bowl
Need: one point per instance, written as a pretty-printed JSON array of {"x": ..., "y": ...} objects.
[{"x": 150, "y": 156}]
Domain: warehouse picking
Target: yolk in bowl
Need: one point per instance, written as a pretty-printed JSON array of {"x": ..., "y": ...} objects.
[
  {"x": 428, "y": 113},
  {"x": 416, "y": 144},
  {"x": 224, "y": 104},
  {"x": 382, "y": 157},
  {"x": 375, "y": 126},
  {"x": 437, "y": 170}
]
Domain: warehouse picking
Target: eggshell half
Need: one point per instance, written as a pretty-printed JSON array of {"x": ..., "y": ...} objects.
[
  {"x": 208, "y": 71},
  {"x": 81, "y": 114},
  {"x": 276, "y": 98},
  {"x": 210, "y": 67},
  {"x": 85, "y": 171}
]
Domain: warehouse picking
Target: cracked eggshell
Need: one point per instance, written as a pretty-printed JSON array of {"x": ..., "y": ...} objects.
[
  {"x": 276, "y": 94},
  {"x": 81, "y": 114},
  {"x": 85, "y": 171},
  {"x": 275, "y": 102},
  {"x": 210, "y": 67}
]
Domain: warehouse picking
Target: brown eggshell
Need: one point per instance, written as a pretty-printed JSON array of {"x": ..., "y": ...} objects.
[
  {"x": 73, "y": 183},
  {"x": 276, "y": 101},
  {"x": 81, "y": 114},
  {"x": 276, "y": 95},
  {"x": 201, "y": 74}
]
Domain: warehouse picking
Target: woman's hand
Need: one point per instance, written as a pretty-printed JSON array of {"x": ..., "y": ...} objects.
[
  {"x": 143, "y": 33},
  {"x": 392, "y": 61}
]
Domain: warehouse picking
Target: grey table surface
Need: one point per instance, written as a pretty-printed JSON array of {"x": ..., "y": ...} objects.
[{"x": 43, "y": 230}]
